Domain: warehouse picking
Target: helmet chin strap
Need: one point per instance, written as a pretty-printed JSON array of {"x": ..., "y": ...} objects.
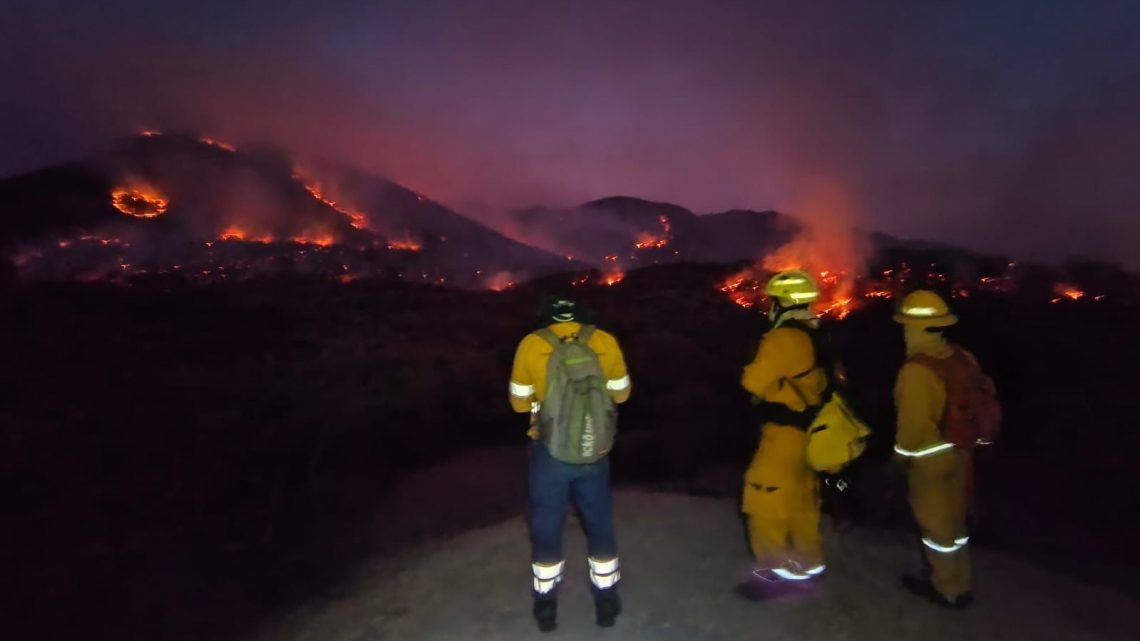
[
  {"x": 778, "y": 312},
  {"x": 775, "y": 311}
]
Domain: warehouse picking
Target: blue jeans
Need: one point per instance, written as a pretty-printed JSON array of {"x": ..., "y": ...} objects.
[{"x": 552, "y": 484}]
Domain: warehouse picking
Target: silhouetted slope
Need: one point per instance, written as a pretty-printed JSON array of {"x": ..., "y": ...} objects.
[{"x": 631, "y": 231}]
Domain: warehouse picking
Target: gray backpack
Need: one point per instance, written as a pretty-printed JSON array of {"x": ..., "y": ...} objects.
[{"x": 577, "y": 420}]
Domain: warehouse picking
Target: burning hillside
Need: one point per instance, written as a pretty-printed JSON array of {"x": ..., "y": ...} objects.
[
  {"x": 843, "y": 292},
  {"x": 196, "y": 207},
  {"x": 850, "y": 272}
]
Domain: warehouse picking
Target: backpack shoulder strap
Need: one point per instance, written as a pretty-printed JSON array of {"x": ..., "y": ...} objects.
[
  {"x": 942, "y": 367},
  {"x": 584, "y": 334},
  {"x": 816, "y": 350},
  {"x": 549, "y": 336}
]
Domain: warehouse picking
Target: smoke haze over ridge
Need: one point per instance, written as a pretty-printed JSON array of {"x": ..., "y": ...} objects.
[{"x": 1003, "y": 126}]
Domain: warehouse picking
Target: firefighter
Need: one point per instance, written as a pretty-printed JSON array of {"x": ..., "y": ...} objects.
[
  {"x": 935, "y": 443},
  {"x": 553, "y": 483},
  {"x": 781, "y": 492}
]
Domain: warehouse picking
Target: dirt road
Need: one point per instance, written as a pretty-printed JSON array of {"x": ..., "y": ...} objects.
[{"x": 681, "y": 557}]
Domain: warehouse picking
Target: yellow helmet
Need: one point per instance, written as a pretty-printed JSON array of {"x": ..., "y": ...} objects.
[
  {"x": 924, "y": 308},
  {"x": 792, "y": 288}
]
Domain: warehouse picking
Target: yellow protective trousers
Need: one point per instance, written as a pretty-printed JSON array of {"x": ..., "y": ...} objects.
[
  {"x": 940, "y": 497},
  {"x": 781, "y": 505}
]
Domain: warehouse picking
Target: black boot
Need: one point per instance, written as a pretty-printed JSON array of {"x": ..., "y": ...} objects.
[
  {"x": 607, "y": 607},
  {"x": 763, "y": 585},
  {"x": 921, "y": 586},
  {"x": 546, "y": 614}
]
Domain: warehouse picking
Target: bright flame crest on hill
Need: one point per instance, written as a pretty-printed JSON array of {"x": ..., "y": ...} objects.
[{"x": 139, "y": 202}]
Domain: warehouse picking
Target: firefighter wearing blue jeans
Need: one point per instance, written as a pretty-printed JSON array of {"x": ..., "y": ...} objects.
[{"x": 554, "y": 484}]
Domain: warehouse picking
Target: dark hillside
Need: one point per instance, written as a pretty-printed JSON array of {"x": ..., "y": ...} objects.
[{"x": 184, "y": 462}]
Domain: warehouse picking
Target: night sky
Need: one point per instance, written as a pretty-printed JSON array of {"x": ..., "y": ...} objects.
[{"x": 1002, "y": 125}]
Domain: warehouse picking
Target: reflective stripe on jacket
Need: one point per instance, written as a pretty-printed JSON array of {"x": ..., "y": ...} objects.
[
  {"x": 920, "y": 396},
  {"x": 528, "y": 375}
]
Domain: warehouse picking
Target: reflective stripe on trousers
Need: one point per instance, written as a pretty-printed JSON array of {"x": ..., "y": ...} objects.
[
  {"x": 946, "y": 549},
  {"x": 604, "y": 573},
  {"x": 792, "y": 575},
  {"x": 546, "y": 576},
  {"x": 926, "y": 451}
]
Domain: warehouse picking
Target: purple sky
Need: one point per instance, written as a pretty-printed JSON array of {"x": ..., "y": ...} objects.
[{"x": 1002, "y": 125}]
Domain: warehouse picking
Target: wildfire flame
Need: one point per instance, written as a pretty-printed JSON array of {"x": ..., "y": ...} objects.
[
  {"x": 1068, "y": 291},
  {"x": 139, "y": 202},
  {"x": 324, "y": 240},
  {"x": 837, "y": 297},
  {"x": 406, "y": 243},
  {"x": 234, "y": 233},
  {"x": 646, "y": 240},
  {"x": 613, "y": 278},
  {"x": 355, "y": 218},
  {"x": 827, "y": 246}
]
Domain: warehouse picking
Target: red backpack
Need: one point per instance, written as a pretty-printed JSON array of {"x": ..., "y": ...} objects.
[{"x": 973, "y": 415}]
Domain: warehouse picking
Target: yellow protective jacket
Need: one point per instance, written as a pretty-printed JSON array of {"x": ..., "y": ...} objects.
[
  {"x": 920, "y": 397},
  {"x": 784, "y": 353},
  {"x": 528, "y": 375}
]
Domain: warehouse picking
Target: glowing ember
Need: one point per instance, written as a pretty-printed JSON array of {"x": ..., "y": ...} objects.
[
  {"x": 500, "y": 281},
  {"x": 149, "y": 133},
  {"x": 232, "y": 233},
  {"x": 582, "y": 280},
  {"x": 649, "y": 241},
  {"x": 220, "y": 145},
  {"x": 139, "y": 202}
]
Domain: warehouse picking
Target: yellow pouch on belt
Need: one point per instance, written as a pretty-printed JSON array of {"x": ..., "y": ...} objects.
[{"x": 836, "y": 436}]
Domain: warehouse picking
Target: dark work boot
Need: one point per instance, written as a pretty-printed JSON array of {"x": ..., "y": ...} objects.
[
  {"x": 921, "y": 586},
  {"x": 607, "y": 607},
  {"x": 546, "y": 614},
  {"x": 763, "y": 585}
]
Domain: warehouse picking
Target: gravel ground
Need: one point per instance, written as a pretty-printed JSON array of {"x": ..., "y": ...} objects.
[{"x": 681, "y": 557}]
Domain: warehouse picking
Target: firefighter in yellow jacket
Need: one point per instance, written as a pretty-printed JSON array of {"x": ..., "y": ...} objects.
[
  {"x": 554, "y": 483},
  {"x": 781, "y": 492},
  {"x": 938, "y": 473}
]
